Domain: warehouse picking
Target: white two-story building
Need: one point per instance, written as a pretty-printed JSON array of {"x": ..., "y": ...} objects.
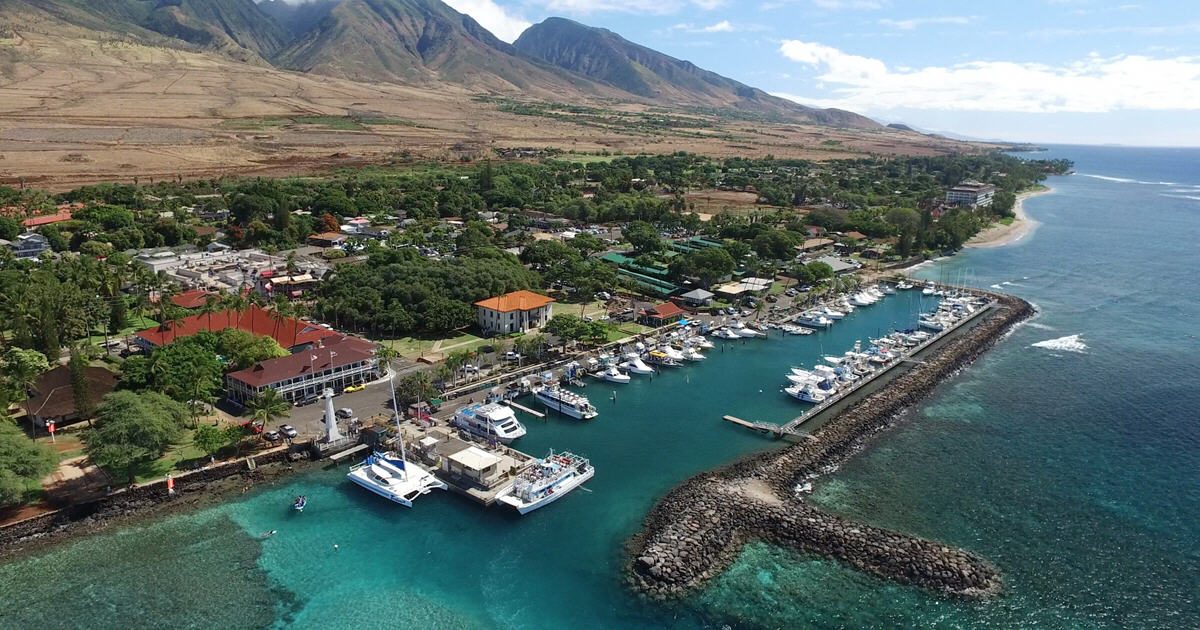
[{"x": 518, "y": 311}]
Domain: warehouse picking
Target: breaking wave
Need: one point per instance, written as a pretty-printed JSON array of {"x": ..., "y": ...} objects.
[
  {"x": 1125, "y": 180},
  {"x": 1070, "y": 343}
]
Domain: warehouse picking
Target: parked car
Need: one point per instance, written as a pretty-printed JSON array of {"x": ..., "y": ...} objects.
[
  {"x": 355, "y": 388},
  {"x": 344, "y": 413},
  {"x": 471, "y": 369},
  {"x": 772, "y": 299},
  {"x": 308, "y": 400},
  {"x": 511, "y": 356},
  {"x": 289, "y": 430},
  {"x": 272, "y": 436}
]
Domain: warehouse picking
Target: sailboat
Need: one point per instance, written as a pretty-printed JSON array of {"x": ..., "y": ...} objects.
[{"x": 395, "y": 477}]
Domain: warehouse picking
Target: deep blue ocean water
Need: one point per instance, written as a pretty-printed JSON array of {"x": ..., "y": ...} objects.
[{"x": 1069, "y": 456}]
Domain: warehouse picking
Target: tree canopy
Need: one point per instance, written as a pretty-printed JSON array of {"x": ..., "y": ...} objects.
[
  {"x": 23, "y": 463},
  {"x": 133, "y": 429}
]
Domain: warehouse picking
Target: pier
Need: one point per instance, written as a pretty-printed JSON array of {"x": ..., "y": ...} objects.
[
  {"x": 698, "y": 529},
  {"x": 791, "y": 430}
]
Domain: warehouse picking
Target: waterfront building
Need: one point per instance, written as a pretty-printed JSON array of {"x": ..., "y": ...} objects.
[
  {"x": 839, "y": 265},
  {"x": 972, "y": 194},
  {"x": 662, "y": 314},
  {"x": 27, "y": 246},
  {"x": 697, "y": 297},
  {"x": 519, "y": 311},
  {"x": 335, "y": 363}
]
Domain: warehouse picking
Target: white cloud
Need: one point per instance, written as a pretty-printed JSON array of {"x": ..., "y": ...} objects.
[
  {"x": 914, "y": 23},
  {"x": 1094, "y": 84},
  {"x": 493, "y": 17},
  {"x": 837, "y": 5},
  {"x": 724, "y": 26}
]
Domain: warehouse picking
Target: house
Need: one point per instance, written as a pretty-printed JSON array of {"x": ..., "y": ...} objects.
[
  {"x": 28, "y": 246},
  {"x": 327, "y": 239},
  {"x": 290, "y": 333},
  {"x": 813, "y": 244},
  {"x": 63, "y": 214},
  {"x": 838, "y": 265},
  {"x": 662, "y": 314},
  {"x": 972, "y": 194},
  {"x": 53, "y": 399},
  {"x": 874, "y": 253},
  {"x": 697, "y": 297},
  {"x": 856, "y": 236},
  {"x": 814, "y": 231},
  {"x": 744, "y": 287},
  {"x": 518, "y": 311},
  {"x": 335, "y": 363}
]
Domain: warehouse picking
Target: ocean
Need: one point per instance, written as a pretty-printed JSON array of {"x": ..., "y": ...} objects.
[{"x": 1069, "y": 456}]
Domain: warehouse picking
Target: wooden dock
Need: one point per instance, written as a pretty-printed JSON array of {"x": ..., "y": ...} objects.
[
  {"x": 536, "y": 414},
  {"x": 761, "y": 427},
  {"x": 346, "y": 453}
]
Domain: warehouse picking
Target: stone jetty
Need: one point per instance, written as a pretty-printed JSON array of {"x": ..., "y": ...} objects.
[{"x": 697, "y": 529}]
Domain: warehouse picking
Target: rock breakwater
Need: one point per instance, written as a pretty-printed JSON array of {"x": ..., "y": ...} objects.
[{"x": 698, "y": 528}]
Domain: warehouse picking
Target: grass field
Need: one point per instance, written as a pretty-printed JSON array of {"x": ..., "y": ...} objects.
[
  {"x": 184, "y": 451},
  {"x": 135, "y": 324}
]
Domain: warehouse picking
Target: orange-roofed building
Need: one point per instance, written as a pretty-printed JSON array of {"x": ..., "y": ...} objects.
[
  {"x": 518, "y": 311},
  {"x": 289, "y": 332},
  {"x": 192, "y": 299}
]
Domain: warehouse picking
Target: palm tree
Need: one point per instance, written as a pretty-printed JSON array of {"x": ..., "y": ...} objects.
[{"x": 268, "y": 406}]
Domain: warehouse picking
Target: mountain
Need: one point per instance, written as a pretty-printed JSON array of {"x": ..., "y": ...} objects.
[
  {"x": 608, "y": 58},
  {"x": 237, "y": 28},
  {"x": 424, "y": 42},
  {"x": 297, "y": 18}
]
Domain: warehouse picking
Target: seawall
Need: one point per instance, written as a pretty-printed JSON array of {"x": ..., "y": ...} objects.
[
  {"x": 697, "y": 529},
  {"x": 192, "y": 490}
]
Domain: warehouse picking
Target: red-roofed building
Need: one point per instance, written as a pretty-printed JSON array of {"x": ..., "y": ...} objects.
[
  {"x": 518, "y": 311},
  {"x": 663, "y": 314},
  {"x": 192, "y": 299},
  {"x": 47, "y": 219},
  {"x": 289, "y": 332},
  {"x": 336, "y": 363}
]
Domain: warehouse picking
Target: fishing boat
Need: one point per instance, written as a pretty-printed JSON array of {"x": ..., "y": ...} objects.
[
  {"x": 905, "y": 286},
  {"x": 692, "y": 354},
  {"x": 670, "y": 351},
  {"x": 491, "y": 420},
  {"x": 930, "y": 289},
  {"x": 813, "y": 320},
  {"x": 725, "y": 333},
  {"x": 743, "y": 330},
  {"x": 805, "y": 393},
  {"x": 700, "y": 342},
  {"x": 394, "y": 478},
  {"x": 546, "y": 481},
  {"x": 613, "y": 374},
  {"x": 889, "y": 289},
  {"x": 661, "y": 359},
  {"x": 792, "y": 329},
  {"x": 565, "y": 402},
  {"x": 829, "y": 312},
  {"x": 635, "y": 365}
]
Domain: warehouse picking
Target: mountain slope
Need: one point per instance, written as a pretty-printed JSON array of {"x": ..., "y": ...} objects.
[
  {"x": 604, "y": 56},
  {"x": 423, "y": 42},
  {"x": 300, "y": 18}
]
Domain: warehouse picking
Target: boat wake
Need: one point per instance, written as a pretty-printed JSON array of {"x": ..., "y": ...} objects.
[
  {"x": 1039, "y": 326},
  {"x": 1125, "y": 180},
  {"x": 1070, "y": 343}
]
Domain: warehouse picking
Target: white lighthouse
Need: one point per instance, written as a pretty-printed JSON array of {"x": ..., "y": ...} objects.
[{"x": 331, "y": 429}]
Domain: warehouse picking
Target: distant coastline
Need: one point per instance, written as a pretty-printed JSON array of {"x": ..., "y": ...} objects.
[{"x": 1000, "y": 235}]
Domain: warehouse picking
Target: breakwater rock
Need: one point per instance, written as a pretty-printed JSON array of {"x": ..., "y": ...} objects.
[{"x": 698, "y": 528}]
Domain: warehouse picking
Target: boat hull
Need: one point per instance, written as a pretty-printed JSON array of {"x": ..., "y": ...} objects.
[{"x": 560, "y": 492}]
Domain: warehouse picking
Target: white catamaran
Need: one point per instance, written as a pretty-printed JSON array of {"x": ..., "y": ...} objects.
[{"x": 392, "y": 476}]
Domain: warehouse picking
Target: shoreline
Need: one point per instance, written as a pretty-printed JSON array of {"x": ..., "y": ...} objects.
[
  {"x": 1001, "y": 235},
  {"x": 143, "y": 505},
  {"x": 696, "y": 530}
]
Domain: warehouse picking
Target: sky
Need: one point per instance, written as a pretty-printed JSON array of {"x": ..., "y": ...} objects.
[{"x": 1049, "y": 71}]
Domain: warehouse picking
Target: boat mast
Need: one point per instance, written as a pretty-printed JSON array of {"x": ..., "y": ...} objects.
[{"x": 399, "y": 431}]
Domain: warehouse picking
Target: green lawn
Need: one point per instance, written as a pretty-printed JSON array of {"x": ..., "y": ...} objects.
[
  {"x": 1008, "y": 220},
  {"x": 136, "y": 323},
  {"x": 776, "y": 288},
  {"x": 184, "y": 451},
  {"x": 412, "y": 347},
  {"x": 617, "y": 332}
]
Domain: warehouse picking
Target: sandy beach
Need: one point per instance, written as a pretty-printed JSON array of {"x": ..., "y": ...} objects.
[{"x": 1000, "y": 235}]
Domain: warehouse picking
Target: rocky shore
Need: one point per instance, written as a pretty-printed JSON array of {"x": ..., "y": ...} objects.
[
  {"x": 697, "y": 529},
  {"x": 126, "y": 507}
]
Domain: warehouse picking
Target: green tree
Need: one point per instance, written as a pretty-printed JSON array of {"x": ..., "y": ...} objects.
[
  {"x": 133, "y": 430},
  {"x": 707, "y": 265},
  {"x": 21, "y": 369},
  {"x": 210, "y": 438},
  {"x": 643, "y": 237},
  {"x": 9, "y": 228},
  {"x": 268, "y": 406},
  {"x": 188, "y": 369},
  {"x": 820, "y": 270},
  {"x": 242, "y": 349},
  {"x": 566, "y": 327},
  {"x": 79, "y": 387},
  {"x": 23, "y": 463},
  {"x": 118, "y": 315},
  {"x": 413, "y": 388},
  {"x": 443, "y": 315}
]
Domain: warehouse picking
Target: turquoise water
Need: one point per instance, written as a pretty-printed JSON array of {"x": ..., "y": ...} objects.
[{"x": 1074, "y": 465}]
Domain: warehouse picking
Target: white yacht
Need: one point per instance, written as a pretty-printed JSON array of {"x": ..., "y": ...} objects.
[
  {"x": 670, "y": 351},
  {"x": 692, "y": 354},
  {"x": 491, "y": 420},
  {"x": 395, "y": 478},
  {"x": 635, "y": 365},
  {"x": 905, "y": 286},
  {"x": 792, "y": 329},
  {"x": 660, "y": 358},
  {"x": 862, "y": 298},
  {"x": 613, "y": 374},
  {"x": 566, "y": 402},
  {"x": 725, "y": 333},
  {"x": 700, "y": 342},
  {"x": 743, "y": 330},
  {"x": 805, "y": 393},
  {"x": 546, "y": 481},
  {"x": 829, "y": 312},
  {"x": 930, "y": 289},
  {"x": 813, "y": 320}
]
